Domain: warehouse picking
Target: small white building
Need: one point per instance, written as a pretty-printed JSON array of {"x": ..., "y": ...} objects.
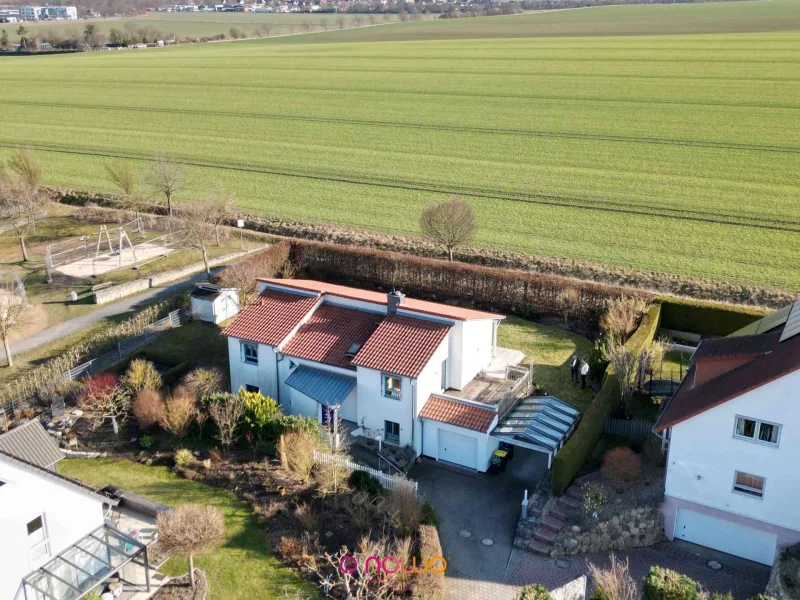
[
  {"x": 214, "y": 303},
  {"x": 410, "y": 372},
  {"x": 733, "y": 426},
  {"x": 56, "y": 543}
]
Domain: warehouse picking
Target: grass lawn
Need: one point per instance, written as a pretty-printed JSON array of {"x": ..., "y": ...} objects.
[
  {"x": 243, "y": 567},
  {"x": 676, "y": 362},
  {"x": 549, "y": 349}
]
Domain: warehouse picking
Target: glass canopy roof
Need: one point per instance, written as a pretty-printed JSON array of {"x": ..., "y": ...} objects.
[
  {"x": 544, "y": 422},
  {"x": 83, "y": 566}
]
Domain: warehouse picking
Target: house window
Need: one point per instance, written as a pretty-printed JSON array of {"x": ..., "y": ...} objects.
[
  {"x": 444, "y": 374},
  {"x": 752, "y": 485},
  {"x": 391, "y": 432},
  {"x": 391, "y": 386},
  {"x": 252, "y": 388},
  {"x": 757, "y": 431},
  {"x": 38, "y": 545},
  {"x": 250, "y": 353}
]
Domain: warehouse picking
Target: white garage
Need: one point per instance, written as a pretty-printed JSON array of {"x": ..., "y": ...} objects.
[
  {"x": 458, "y": 449},
  {"x": 726, "y": 536}
]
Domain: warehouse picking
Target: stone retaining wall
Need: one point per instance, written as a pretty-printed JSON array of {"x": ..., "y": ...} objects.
[
  {"x": 776, "y": 587},
  {"x": 115, "y": 292},
  {"x": 642, "y": 526}
]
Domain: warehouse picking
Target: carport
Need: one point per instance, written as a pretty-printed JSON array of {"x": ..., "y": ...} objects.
[{"x": 539, "y": 423}]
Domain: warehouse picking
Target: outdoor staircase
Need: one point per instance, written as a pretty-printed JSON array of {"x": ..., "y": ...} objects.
[{"x": 555, "y": 519}]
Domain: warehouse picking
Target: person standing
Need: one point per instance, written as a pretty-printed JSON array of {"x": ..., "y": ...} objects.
[
  {"x": 584, "y": 373},
  {"x": 573, "y": 368}
]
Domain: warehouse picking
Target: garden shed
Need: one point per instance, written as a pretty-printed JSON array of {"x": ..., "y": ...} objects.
[{"x": 214, "y": 303}]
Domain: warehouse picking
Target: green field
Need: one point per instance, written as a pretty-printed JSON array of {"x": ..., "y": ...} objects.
[
  {"x": 196, "y": 25},
  {"x": 676, "y": 153}
]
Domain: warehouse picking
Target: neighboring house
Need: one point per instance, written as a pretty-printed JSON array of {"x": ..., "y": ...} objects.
[
  {"x": 733, "y": 426},
  {"x": 407, "y": 371},
  {"x": 55, "y": 543}
]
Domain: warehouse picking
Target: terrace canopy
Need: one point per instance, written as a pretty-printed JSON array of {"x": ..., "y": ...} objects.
[
  {"x": 85, "y": 565},
  {"x": 328, "y": 388},
  {"x": 540, "y": 423}
]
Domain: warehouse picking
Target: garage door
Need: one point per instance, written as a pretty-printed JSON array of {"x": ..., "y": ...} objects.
[
  {"x": 725, "y": 536},
  {"x": 459, "y": 449}
]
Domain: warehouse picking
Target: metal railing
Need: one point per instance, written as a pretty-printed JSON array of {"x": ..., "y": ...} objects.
[
  {"x": 389, "y": 482},
  {"x": 523, "y": 383},
  {"x": 630, "y": 428}
]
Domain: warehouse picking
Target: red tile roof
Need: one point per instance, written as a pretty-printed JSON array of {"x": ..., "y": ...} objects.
[
  {"x": 691, "y": 400},
  {"x": 330, "y": 332},
  {"x": 402, "y": 345},
  {"x": 421, "y": 306},
  {"x": 745, "y": 346},
  {"x": 458, "y": 414},
  {"x": 271, "y": 317}
]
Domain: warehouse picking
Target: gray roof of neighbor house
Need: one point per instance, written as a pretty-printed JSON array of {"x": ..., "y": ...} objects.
[{"x": 31, "y": 443}]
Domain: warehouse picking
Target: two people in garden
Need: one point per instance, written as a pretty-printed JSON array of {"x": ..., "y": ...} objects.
[{"x": 577, "y": 366}]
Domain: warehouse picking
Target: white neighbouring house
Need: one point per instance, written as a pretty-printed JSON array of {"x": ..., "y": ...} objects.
[
  {"x": 733, "y": 467},
  {"x": 55, "y": 542},
  {"x": 411, "y": 372}
]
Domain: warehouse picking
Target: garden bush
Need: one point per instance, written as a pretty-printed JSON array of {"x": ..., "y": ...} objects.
[
  {"x": 296, "y": 453},
  {"x": 141, "y": 375},
  {"x": 148, "y": 408},
  {"x": 183, "y": 457},
  {"x": 429, "y": 516},
  {"x": 403, "y": 507},
  {"x": 146, "y": 442},
  {"x": 706, "y": 318},
  {"x": 534, "y": 592},
  {"x": 663, "y": 584},
  {"x": 363, "y": 481},
  {"x": 262, "y": 417},
  {"x": 622, "y": 464},
  {"x": 180, "y": 409},
  {"x": 204, "y": 382},
  {"x": 429, "y": 585}
]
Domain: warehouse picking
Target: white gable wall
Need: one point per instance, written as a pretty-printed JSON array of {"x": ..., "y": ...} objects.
[
  {"x": 69, "y": 515},
  {"x": 704, "y": 456},
  {"x": 471, "y": 347},
  {"x": 262, "y": 375}
]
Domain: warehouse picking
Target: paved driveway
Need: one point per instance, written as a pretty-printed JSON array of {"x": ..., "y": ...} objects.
[{"x": 485, "y": 506}]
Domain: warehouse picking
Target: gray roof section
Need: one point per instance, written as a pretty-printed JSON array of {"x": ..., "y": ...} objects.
[
  {"x": 326, "y": 387},
  {"x": 31, "y": 443},
  {"x": 543, "y": 421},
  {"x": 792, "y": 327}
]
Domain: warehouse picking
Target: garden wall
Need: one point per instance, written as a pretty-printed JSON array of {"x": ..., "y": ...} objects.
[
  {"x": 571, "y": 457},
  {"x": 115, "y": 292}
]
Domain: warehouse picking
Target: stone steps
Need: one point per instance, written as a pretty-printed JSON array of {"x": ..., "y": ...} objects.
[
  {"x": 539, "y": 547},
  {"x": 545, "y": 534},
  {"x": 569, "y": 501},
  {"x": 553, "y": 521}
]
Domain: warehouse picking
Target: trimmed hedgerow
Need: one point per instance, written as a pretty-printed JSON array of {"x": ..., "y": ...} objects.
[
  {"x": 663, "y": 584},
  {"x": 706, "y": 318},
  {"x": 429, "y": 585}
]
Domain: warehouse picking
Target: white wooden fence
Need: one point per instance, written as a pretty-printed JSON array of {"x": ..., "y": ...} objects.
[{"x": 387, "y": 481}]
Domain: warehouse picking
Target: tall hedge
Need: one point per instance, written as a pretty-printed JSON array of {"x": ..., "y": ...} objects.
[
  {"x": 429, "y": 585},
  {"x": 570, "y": 458},
  {"x": 706, "y": 318},
  {"x": 507, "y": 290}
]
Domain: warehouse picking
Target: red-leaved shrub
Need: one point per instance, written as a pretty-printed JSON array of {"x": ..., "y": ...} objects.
[
  {"x": 621, "y": 464},
  {"x": 98, "y": 388}
]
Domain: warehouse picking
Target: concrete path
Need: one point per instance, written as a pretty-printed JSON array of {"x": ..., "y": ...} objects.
[{"x": 130, "y": 303}]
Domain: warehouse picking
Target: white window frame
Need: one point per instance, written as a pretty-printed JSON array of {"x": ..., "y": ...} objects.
[
  {"x": 759, "y": 494},
  {"x": 394, "y": 395},
  {"x": 40, "y": 549},
  {"x": 246, "y": 345},
  {"x": 758, "y": 423},
  {"x": 395, "y": 438}
]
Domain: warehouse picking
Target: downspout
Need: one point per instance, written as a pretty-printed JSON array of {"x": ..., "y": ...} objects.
[
  {"x": 278, "y": 358},
  {"x": 413, "y": 409}
]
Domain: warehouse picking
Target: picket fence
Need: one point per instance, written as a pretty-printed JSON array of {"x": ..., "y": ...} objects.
[
  {"x": 387, "y": 481},
  {"x": 631, "y": 428},
  {"x": 124, "y": 348}
]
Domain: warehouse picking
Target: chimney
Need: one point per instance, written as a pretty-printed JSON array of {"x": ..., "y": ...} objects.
[{"x": 394, "y": 299}]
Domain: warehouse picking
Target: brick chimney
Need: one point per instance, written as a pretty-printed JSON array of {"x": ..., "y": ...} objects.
[{"x": 394, "y": 299}]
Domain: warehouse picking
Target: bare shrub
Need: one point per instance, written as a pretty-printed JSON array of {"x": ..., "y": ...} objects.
[
  {"x": 304, "y": 512},
  {"x": 615, "y": 582},
  {"x": 621, "y": 464},
  {"x": 332, "y": 478},
  {"x": 204, "y": 382},
  {"x": 623, "y": 316},
  {"x": 290, "y": 548},
  {"x": 141, "y": 375},
  {"x": 404, "y": 508},
  {"x": 296, "y": 453},
  {"x": 226, "y": 411},
  {"x": 180, "y": 410},
  {"x": 190, "y": 529},
  {"x": 569, "y": 298},
  {"x": 148, "y": 408}
]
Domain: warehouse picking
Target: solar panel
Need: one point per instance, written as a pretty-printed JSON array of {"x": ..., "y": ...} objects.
[
  {"x": 765, "y": 324},
  {"x": 792, "y": 327}
]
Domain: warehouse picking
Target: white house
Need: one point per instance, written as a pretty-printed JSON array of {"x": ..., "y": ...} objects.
[
  {"x": 213, "y": 303},
  {"x": 733, "y": 480},
  {"x": 55, "y": 542},
  {"x": 411, "y": 372}
]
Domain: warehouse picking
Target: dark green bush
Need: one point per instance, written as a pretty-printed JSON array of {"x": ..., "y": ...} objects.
[
  {"x": 718, "y": 596},
  {"x": 599, "y": 595},
  {"x": 429, "y": 516},
  {"x": 361, "y": 480},
  {"x": 706, "y": 318},
  {"x": 663, "y": 584}
]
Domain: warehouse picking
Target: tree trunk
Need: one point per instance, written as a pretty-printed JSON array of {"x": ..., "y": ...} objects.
[
  {"x": 450, "y": 253},
  {"x": 191, "y": 570},
  {"x": 9, "y": 360},
  {"x": 169, "y": 204},
  {"x": 205, "y": 260},
  {"x": 216, "y": 233},
  {"x": 24, "y": 249}
]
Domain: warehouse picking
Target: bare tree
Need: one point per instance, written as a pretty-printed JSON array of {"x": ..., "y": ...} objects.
[
  {"x": 226, "y": 411},
  {"x": 27, "y": 168},
  {"x": 106, "y": 399},
  {"x": 357, "y": 20},
  {"x": 222, "y": 205},
  {"x": 324, "y": 24},
  {"x": 190, "y": 529},
  {"x": 372, "y": 20},
  {"x": 306, "y": 26},
  {"x": 623, "y": 316},
  {"x": 266, "y": 28},
  {"x": 199, "y": 227},
  {"x": 569, "y": 299},
  {"x": 166, "y": 177},
  {"x": 13, "y": 303},
  {"x": 20, "y": 203},
  {"x": 124, "y": 178},
  {"x": 451, "y": 223},
  {"x": 340, "y": 21}
]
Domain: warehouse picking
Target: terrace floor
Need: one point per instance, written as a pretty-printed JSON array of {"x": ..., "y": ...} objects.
[{"x": 491, "y": 385}]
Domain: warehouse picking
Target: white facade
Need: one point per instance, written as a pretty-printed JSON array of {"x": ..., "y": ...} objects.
[
  {"x": 28, "y": 499},
  {"x": 467, "y": 349},
  {"x": 704, "y": 458},
  {"x": 221, "y": 307}
]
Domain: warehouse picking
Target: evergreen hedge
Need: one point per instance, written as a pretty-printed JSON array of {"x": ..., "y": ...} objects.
[
  {"x": 706, "y": 318},
  {"x": 663, "y": 584}
]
